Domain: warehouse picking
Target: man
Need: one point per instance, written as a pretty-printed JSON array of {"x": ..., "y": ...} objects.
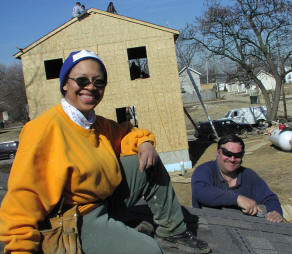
[
  {"x": 111, "y": 8},
  {"x": 83, "y": 10},
  {"x": 77, "y": 10},
  {"x": 225, "y": 183}
]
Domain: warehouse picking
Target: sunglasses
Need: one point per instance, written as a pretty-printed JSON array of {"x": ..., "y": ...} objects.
[
  {"x": 83, "y": 82},
  {"x": 230, "y": 154}
]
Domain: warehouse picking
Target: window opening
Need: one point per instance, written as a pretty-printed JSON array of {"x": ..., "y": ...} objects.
[
  {"x": 53, "y": 67},
  {"x": 138, "y": 63},
  {"x": 127, "y": 114}
]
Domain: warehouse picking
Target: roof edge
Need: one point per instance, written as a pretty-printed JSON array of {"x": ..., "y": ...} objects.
[
  {"x": 184, "y": 68},
  {"x": 141, "y": 22},
  {"x": 89, "y": 11}
]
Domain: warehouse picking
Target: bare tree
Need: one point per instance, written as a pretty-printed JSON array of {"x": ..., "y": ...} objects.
[
  {"x": 249, "y": 33},
  {"x": 13, "y": 97},
  {"x": 187, "y": 50}
]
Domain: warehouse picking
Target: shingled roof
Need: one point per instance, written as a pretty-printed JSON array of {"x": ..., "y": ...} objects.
[
  {"x": 229, "y": 231},
  {"x": 226, "y": 230}
]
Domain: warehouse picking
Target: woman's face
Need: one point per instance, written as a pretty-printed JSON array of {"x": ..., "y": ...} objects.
[{"x": 84, "y": 98}]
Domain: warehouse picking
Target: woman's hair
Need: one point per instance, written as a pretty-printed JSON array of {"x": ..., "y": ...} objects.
[{"x": 230, "y": 138}]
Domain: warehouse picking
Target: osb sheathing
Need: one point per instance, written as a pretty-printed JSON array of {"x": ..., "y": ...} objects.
[{"x": 157, "y": 99}]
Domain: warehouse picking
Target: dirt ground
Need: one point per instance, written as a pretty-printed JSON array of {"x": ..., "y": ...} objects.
[{"x": 272, "y": 164}]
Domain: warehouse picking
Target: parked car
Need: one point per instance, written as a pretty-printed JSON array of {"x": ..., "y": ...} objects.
[
  {"x": 223, "y": 127},
  {"x": 8, "y": 149}
]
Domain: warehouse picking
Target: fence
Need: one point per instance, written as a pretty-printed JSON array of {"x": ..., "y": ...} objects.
[{"x": 207, "y": 95}]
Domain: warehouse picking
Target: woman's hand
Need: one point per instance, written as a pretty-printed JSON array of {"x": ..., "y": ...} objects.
[{"x": 147, "y": 156}]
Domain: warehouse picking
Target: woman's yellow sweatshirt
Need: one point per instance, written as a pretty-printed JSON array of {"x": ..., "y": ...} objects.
[{"x": 57, "y": 157}]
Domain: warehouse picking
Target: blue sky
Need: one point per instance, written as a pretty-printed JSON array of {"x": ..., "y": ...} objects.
[{"x": 25, "y": 21}]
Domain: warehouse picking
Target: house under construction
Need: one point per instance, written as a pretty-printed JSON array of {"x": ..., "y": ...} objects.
[{"x": 143, "y": 81}]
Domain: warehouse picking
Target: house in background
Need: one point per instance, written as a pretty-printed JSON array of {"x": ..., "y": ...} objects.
[
  {"x": 267, "y": 79},
  {"x": 187, "y": 89},
  {"x": 153, "y": 93},
  {"x": 236, "y": 87},
  {"x": 189, "y": 94},
  {"x": 270, "y": 82}
]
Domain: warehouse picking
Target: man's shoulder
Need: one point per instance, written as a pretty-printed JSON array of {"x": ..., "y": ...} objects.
[
  {"x": 248, "y": 171},
  {"x": 205, "y": 172},
  {"x": 209, "y": 167},
  {"x": 250, "y": 176},
  {"x": 208, "y": 164}
]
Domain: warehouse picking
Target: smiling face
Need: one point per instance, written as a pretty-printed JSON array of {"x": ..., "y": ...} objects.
[
  {"x": 229, "y": 165},
  {"x": 84, "y": 99}
]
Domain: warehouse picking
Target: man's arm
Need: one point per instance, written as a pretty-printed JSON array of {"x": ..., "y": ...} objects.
[
  {"x": 248, "y": 205},
  {"x": 264, "y": 195}
]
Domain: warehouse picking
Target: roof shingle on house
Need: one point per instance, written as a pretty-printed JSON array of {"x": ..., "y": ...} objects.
[
  {"x": 226, "y": 230},
  {"x": 229, "y": 231}
]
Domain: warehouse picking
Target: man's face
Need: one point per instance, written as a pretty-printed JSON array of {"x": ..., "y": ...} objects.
[{"x": 227, "y": 162}]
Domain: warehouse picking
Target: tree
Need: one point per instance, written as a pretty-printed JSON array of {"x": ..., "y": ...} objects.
[
  {"x": 13, "y": 97},
  {"x": 249, "y": 33},
  {"x": 187, "y": 50}
]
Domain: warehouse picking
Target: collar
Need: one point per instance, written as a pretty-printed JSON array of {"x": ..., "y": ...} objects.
[
  {"x": 76, "y": 116},
  {"x": 239, "y": 175}
]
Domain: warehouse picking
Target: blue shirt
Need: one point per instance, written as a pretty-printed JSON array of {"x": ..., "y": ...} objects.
[{"x": 210, "y": 189}]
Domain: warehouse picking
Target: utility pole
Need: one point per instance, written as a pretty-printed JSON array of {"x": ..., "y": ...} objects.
[{"x": 207, "y": 72}]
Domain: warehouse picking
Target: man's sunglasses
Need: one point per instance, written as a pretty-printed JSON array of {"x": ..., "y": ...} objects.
[
  {"x": 83, "y": 82},
  {"x": 230, "y": 154}
]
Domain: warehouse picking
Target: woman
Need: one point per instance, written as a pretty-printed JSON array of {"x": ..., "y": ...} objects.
[{"x": 70, "y": 152}]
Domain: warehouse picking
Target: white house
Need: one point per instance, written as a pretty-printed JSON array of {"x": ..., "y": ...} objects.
[
  {"x": 267, "y": 79},
  {"x": 221, "y": 86},
  {"x": 235, "y": 87},
  {"x": 187, "y": 88}
]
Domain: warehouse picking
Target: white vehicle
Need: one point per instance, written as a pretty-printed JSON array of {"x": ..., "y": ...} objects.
[{"x": 251, "y": 115}]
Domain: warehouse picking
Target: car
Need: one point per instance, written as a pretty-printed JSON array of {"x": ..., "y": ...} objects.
[
  {"x": 8, "y": 149},
  {"x": 223, "y": 127}
]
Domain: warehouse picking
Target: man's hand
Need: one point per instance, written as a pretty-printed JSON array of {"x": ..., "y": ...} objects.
[
  {"x": 274, "y": 217},
  {"x": 248, "y": 205},
  {"x": 147, "y": 156}
]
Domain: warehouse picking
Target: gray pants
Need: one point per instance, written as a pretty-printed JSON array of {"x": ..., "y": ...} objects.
[{"x": 102, "y": 230}]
